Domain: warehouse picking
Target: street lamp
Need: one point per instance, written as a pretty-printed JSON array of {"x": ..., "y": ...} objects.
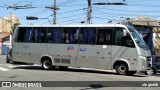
[{"x": 36, "y": 18}]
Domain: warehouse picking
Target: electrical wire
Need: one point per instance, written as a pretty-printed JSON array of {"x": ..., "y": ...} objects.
[
  {"x": 66, "y": 2},
  {"x": 66, "y": 17},
  {"x": 71, "y": 11},
  {"x": 71, "y": 20},
  {"x": 124, "y": 10}
]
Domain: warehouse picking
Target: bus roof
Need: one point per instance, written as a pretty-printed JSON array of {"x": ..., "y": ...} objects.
[{"x": 74, "y": 25}]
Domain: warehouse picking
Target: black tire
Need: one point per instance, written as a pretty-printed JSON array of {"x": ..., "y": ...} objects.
[
  {"x": 47, "y": 64},
  {"x": 154, "y": 71},
  {"x": 151, "y": 71},
  {"x": 131, "y": 73},
  {"x": 121, "y": 69},
  {"x": 7, "y": 59},
  {"x": 63, "y": 67}
]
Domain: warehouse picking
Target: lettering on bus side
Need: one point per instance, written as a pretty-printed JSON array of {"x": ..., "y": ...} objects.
[
  {"x": 71, "y": 49},
  {"x": 82, "y": 49}
]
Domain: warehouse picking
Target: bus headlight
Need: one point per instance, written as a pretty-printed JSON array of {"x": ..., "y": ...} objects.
[{"x": 143, "y": 58}]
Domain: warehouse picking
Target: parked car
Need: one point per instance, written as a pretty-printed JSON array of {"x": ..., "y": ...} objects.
[
  {"x": 9, "y": 56},
  {"x": 155, "y": 66}
]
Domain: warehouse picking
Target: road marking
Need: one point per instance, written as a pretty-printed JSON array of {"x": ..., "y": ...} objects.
[{"x": 3, "y": 69}]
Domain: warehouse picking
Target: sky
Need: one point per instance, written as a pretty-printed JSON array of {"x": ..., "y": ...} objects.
[{"x": 75, "y": 11}]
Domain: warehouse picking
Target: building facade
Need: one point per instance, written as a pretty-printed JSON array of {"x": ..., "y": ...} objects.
[{"x": 6, "y": 23}]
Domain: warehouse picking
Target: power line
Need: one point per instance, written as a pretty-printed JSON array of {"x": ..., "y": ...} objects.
[
  {"x": 124, "y": 10},
  {"x": 66, "y": 17},
  {"x": 71, "y": 11},
  {"x": 36, "y": 13},
  {"x": 66, "y": 2},
  {"x": 70, "y": 20},
  {"x": 42, "y": 19}
]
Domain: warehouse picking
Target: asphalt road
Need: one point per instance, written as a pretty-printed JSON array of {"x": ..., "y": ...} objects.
[{"x": 74, "y": 78}]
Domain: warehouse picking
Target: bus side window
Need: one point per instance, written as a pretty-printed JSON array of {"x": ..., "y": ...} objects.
[
  {"x": 73, "y": 35},
  {"x": 38, "y": 35},
  {"x": 118, "y": 34},
  {"x": 65, "y": 36},
  {"x": 57, "y": 35},
  {"x": 104, "y": 36},
  {"x": 83, "y": 36},
  {"x": 50, "y": 34},
  {"x": 121, "y": 40},
  {"x": 21, "y": 34},
  {"x": 87, "y": 36},
  {"x": 91, "y": 36},
  {"x": 42, "y": 37},
  {"x": 54, "y": 35},
  {"x": 28, "y": 35}
]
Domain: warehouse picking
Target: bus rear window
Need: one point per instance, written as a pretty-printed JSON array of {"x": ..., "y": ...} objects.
[{"x": 33, "y": 35}]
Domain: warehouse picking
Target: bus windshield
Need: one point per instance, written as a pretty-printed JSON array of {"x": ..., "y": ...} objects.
[{"x": 140, "y": 42}]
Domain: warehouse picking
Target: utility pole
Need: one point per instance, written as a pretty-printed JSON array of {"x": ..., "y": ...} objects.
[
  {"x": 89, "y": 12},
  {"x": 54, "y": 8}
]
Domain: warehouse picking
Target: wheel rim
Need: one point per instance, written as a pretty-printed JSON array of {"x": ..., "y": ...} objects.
[
  {"x": 46, "y": 64},
  {"x": 122, "y": 69},
  {"x": 150, "y": 72}
]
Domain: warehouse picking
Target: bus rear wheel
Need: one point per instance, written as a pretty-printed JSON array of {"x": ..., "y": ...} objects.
[
  {"x": 121, "y": 68},
  {"x": 47, "y": 64}
]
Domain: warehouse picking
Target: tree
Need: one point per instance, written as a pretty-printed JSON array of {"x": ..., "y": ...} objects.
[{"x": 13, "y": 27}]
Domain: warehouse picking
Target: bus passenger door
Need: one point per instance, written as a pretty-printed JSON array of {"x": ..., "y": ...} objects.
[
  {"x": 86, "y": 56},
  {"x": 103, "y": 48},
  {"x": 87, "y": 51}
]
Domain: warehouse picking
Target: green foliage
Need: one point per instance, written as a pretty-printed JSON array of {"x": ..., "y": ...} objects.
[{"x": 13, "y": 27}]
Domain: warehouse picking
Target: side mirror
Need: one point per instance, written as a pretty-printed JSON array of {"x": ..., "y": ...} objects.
[{"x": 124, "y": 32}]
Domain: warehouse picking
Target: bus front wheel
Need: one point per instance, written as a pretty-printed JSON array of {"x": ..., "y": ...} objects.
[
  {"x": 47, "y": 64},
  {"x": 121, "y": 68}
]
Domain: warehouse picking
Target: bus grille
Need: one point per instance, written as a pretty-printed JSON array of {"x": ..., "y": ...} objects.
[
  {"x": 56, "y": 60},
  {"x": 65, "y": 61}
]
